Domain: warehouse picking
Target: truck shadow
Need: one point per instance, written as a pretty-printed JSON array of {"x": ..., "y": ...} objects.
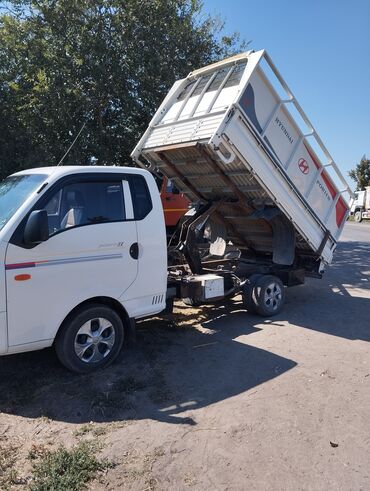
[
  {"x": 177, "y": 367},
  {"x": 339, "y": 304},
  {"x": 173, "y": 369}
]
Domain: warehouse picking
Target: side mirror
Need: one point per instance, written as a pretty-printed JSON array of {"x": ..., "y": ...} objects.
[{"x": 37, "y": 228}]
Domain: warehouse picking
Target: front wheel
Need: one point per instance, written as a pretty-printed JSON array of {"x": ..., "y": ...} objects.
[
  {"x": 90, "y": 339},
  {"x": 358, "y": 216},
  {"x": 268, "y": 295}
]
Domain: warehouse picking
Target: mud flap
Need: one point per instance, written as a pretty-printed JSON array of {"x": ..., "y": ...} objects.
[
  {"x": 283, "y": 235},
  {"x": 283, "y": 240}
]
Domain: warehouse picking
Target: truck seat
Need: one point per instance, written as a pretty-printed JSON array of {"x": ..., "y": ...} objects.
[{"x": 76, "y": 210}]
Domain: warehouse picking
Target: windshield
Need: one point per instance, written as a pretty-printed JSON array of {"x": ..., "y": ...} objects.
[{"x": 14, "y": 190}]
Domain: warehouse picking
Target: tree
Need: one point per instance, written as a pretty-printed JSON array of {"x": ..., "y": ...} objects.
[
  {"x": 108, "y": 63},
  {"x": 361, "y": 173}
]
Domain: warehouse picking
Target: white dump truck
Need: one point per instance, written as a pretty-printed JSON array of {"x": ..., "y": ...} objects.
[
  {"x": 360, "y": 205},
  {"x": 84, "y": 249}
]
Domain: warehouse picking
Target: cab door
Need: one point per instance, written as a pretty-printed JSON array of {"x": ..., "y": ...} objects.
[{"x": 88, "y": 254}]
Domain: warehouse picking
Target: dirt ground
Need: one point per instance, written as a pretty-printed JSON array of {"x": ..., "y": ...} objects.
[{"x": 218, "y": 399}]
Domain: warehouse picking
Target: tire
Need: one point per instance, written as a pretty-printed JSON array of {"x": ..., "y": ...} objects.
[
  {"x": 191, "y": 302},
  {"x": 268, "y": 295},
  {"x": 247, "y": 294},
  {"x": 90, "y": 339},
  {"x": 358, "y": 216}
]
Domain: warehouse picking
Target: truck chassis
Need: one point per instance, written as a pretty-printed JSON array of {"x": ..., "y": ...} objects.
[{"x": 198, "y": 276}]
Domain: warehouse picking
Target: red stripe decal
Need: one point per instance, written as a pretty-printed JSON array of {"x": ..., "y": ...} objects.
[
  {"x": 313, "y": 158},
  {"x": 329, "y": 184},
  {"x": 341, "y": 210},
  {"x": 19, "y": 265},
  {"x": 324, "y": 175}
]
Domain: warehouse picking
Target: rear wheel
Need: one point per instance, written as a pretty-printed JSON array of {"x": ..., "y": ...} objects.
[
  {"x": 268, "y": 295},
  {"x": 247, "y": 294},
  {"x": 358, "y": 216},
  {"x": 90, "y": 339}
]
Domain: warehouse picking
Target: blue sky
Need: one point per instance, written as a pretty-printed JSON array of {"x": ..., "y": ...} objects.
[{"x": 322, "y": 50}]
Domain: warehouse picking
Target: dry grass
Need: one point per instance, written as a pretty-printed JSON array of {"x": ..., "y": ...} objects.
[{"x": 8, "y": 459}]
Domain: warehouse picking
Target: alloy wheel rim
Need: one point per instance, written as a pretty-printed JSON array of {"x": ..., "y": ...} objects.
[
  {"x": 94, "y": 340},
  {"x": 272, "y": 296}
]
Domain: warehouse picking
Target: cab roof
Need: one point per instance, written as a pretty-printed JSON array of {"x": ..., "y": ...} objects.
[{"x": 76, "y": 169}]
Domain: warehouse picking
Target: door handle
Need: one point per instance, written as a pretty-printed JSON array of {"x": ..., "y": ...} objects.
[{"x": 134, "y": 250}]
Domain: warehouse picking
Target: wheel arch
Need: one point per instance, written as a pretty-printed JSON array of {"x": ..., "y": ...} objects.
[{"x": 102, "y": 300}]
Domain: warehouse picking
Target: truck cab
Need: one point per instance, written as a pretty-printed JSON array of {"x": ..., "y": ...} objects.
[
  {"x": 78, "y": 245},
  {"x": 360, "y": 205}
]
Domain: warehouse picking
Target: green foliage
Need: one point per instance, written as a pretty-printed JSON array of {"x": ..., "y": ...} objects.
[
  {"x": 66, "y": 469},
  {"x": 361, "y": 173},
  {"x": 107, "y": 62}
]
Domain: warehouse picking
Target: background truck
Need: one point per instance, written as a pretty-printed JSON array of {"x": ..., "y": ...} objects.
[
  {"x": 84, "y": 248},
  {"x": 174, "y": 203},
  {"x": 360, "y": 205}
]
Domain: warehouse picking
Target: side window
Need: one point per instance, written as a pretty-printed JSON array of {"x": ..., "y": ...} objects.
[
  {"x": 53, "y": 205},
  {"x": 85, "y": 203},
  {"x": 141, "y": 199},
  {"x": 170, "y": 186}
]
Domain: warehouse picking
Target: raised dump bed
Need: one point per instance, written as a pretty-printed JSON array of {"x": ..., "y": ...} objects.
[{"x": 232, "y": 133}]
